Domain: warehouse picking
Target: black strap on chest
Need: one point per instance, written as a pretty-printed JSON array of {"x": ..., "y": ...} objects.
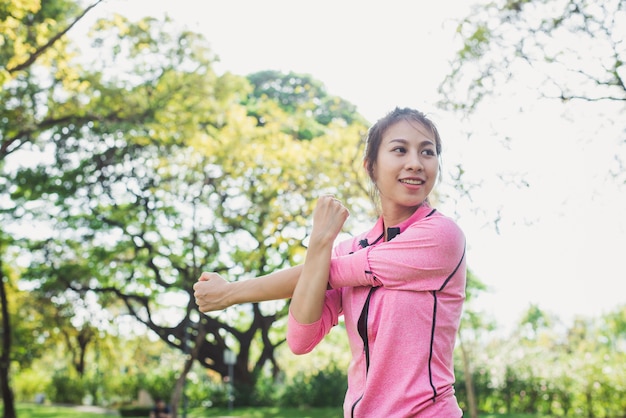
[{"x": 362, "y": 327}]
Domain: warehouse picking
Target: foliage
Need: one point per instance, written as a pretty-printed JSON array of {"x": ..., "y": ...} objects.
[
  {"x": 30, "y": 333},
  {"x": 207, "y": 393},
  {"x": 267, "y": 391},
  {"x": 159, "y": 385},
  {"x": 549, "y": 368},
  {"x": 31, "y": 39},
  {"x": 118, "y": 368},
  {"x": 137, "y": 180},
  {"x": 66, "y": 387},
  {"x": 563, "y": 52},
  {"x": 568, "y": 49},
  {"x": 29, "y": 383},
  {"x": 322, "y": 389},
  {"x": 296, "y": 93},
  {"x": 135, "y": 411},
  {"x": 143, "y": 178}
]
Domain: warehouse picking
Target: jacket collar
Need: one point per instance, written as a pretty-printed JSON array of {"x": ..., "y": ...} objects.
[{"x": 376, "y": 233}]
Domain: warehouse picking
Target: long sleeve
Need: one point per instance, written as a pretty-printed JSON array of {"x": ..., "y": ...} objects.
[
  {"x": 420, "y": 258},
  {"x": 302, "y": 338}
]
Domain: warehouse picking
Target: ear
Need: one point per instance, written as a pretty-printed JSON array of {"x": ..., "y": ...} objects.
[
  {"x": 371, "y": 176},
  {"x": 365, "y": 163}
]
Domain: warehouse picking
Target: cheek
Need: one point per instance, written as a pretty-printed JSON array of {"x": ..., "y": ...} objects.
[
  {"x": 433, "y": 167},
  {"x": 435, "y": 176},
  {"x": 437, "y": 168}
]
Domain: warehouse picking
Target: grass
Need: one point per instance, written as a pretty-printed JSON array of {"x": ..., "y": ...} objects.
[
  {"x": 510, "y": 416},
  {"x": 47, "y": 411},
  {"x": 267, "y": 412}
]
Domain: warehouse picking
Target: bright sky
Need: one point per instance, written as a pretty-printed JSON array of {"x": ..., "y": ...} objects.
[{"x": 561, "y": 240}]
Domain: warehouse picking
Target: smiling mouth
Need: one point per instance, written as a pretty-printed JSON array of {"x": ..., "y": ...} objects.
[{"x": 413, "y": 182}]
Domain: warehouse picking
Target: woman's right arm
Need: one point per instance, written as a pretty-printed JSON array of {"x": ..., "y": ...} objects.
[
  {"x": 213, "y": 293},
  {"x": 307, "y": 303}
]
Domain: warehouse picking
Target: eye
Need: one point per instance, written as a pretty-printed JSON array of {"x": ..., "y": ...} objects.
[
  {"x": 400, "y": 150},
  {"x": 429, "y": 152}
]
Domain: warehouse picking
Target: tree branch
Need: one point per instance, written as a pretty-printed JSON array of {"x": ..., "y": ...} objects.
[{"x": 33, "y": 57}]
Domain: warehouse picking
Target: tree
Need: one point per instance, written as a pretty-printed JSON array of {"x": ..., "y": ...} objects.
[
  {"x": 613, "y": 332},
  {"x": 7, "y": 338},
  {"x": 165, "y": 170},
  {"x": 569, "y": 54},
  {"x": 572, "y": 49},
  {"x": 527, "y": 56},
  {"x": 303, "y": 93},
  {"x": 23, "y": 25},
  {"x": 473, "y": 325}
]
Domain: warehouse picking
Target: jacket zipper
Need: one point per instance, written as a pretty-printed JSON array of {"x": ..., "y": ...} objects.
[
  {"x": 363, "y": 318},
  {"x": 362, "y": 328}
]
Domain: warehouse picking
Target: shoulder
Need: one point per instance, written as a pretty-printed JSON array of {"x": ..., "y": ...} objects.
[
  {"x": 439, "y": 227},
  {"x": 443, "y": 221}
]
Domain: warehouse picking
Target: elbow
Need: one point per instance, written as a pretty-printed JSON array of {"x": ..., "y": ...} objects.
[
  {"x": 297, "y": 346},
  {"x": 302, "y": 338}
]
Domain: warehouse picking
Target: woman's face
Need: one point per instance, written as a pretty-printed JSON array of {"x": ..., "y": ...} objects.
[{"x": 406, "y": 168}]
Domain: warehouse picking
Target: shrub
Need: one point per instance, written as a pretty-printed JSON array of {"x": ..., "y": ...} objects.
[
  {"x": 266, "y": 392},
  {"x": 66, "y": 387},
  {"x": 121, "y": 388},
  {"x": 326, "y": 388},
  {"x": 296, "y": 393},
  {"x": 27, "y": 384},
  {"x": 135, "y": 411},
  {"x": 159, "y": 385},
  {"x": 206, "y": 393}
]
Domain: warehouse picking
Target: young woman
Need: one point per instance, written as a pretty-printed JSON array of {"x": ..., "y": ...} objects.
[{"x": 400, "y": 287}]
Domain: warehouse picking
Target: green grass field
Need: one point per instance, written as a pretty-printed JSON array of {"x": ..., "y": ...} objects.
[{"x": 46, "y": 411}]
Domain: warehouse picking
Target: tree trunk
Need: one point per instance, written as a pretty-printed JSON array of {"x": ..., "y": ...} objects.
[
  {"x": 469, "y": 382},
  {"x": 5, "y": 356},
  {"x": 179, "y": 387},
  {"x": 589, "y": 401}
]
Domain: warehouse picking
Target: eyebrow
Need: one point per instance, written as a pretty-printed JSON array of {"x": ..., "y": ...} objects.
[{"x": 404, "y": 141}]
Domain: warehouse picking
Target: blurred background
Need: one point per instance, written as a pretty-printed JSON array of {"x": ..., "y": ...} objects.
[{"x": 143, "y": 142}]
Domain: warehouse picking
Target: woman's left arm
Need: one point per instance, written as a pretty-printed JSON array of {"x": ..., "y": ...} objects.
[{"x": 421, "y": 258}]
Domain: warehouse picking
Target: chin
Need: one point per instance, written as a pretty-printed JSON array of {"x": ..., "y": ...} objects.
[{"x": 414, "y": 204}]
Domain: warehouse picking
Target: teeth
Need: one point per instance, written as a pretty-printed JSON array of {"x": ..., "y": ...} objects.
[{"x": 410, "y": 181}]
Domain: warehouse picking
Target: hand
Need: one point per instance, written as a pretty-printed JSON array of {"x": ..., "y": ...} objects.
[
  {"x": 328, "y": 219},
  {"x": 211, "y": 292}
]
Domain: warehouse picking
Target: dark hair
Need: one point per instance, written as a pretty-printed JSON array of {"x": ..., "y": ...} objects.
[
  {"x": 375, "y": 137},
  {"x": 376, "y": 132}
]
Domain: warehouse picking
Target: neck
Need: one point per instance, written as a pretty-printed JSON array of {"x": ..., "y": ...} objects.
[{"x": 395, "y": 216}]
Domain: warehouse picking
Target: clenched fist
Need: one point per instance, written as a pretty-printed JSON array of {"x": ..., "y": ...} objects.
[
  {"x": 328, "y": 219},
  {"x": 211, "y": 292}
]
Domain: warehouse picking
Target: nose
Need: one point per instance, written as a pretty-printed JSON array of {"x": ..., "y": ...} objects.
[{"x": 413, "y": 162}]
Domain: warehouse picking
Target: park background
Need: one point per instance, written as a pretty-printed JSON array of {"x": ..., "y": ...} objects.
[{"x": 117, "y": 161}]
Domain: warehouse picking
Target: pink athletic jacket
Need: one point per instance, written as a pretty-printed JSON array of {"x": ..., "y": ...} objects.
[{"x": 402, "y": 301}]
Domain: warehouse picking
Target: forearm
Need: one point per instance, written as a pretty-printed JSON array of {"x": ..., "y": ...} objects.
[
  {"x": 307, "y": 302},
  {"x": 213, "y": 293},
  {"x": 274, "y": 286}
]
